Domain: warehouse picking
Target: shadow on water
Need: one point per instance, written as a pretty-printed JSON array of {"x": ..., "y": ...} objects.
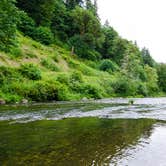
[{"x": 73, "y": 142}]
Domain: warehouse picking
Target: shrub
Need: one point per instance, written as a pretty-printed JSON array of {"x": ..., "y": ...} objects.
[
  {"x": 43, "y": 91},
  {"x": 8, "y": 74},
  {"x": 16, "y": 52},
  {"x": 30, "y": 71},
  {"x": 63, "y": 93},
  {"x": 63, "y": 78},
  {"x": 49, "y": 65},
  {"x": 125, "y": 87},
  {"x": 142, "y": 89},
  {"x": 91, "y": 91},
  {"x": 76, "y": 76},
  {"x": 108, "y": 65},
  {"x": 11, "y": 98},
  {"x": 43, "y": 35}
]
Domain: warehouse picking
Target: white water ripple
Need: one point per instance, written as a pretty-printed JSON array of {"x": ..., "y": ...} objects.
[{"x": 142, "y": 108}]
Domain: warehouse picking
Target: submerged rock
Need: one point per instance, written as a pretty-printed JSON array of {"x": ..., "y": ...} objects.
[{"x": 131, "y": 102}]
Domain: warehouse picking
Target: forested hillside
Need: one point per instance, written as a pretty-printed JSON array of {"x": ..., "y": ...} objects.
[{"x": 59, "y": 50}]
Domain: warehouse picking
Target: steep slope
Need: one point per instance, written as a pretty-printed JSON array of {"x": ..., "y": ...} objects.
[{"x": 40, "y": 73}]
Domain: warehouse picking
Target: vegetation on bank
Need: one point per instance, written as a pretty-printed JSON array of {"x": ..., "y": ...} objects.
[{"x": 58, "y": 50}]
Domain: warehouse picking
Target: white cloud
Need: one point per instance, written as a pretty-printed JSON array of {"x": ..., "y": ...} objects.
[{"x": 140, "y": 20}]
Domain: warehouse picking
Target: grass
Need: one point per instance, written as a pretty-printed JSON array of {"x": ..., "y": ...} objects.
[
  {"x": 49, "y": 73},
  {"x": 43, "y": 73}
]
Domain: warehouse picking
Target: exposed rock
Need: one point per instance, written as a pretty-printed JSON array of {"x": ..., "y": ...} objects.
[
  {"x": 84, "y": 99},
  {"x": 2, "y": 101},
  {"x": 24, "y": 101},
  {"x": 131, "y": 102}
]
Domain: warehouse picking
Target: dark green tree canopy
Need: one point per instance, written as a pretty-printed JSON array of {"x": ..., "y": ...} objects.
[
  {"x": 147, "y": 59},
  {"x": 8, "y": 22}
]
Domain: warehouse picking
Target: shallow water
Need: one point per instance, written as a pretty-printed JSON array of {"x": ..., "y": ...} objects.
[{"x": 103, "y": 132}]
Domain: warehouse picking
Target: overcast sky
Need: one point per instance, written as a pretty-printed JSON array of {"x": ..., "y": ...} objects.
[{"x": 140, "y": 20}]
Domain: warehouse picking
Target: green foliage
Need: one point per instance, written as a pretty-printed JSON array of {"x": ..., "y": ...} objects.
[
  {"x": 43, "y": 91},
  {"x": 92, "y": 91},
  {"x": 40, "y": 10},
  {"x": 63, "y": 79},
  {"x": 8, "y": 75},
  {"x": 76, "y": 76},
  {"x": 43, "y": 35},
  {"x": 71, "y": 4},
  {"x": 161, "y": 70},
  {"x": 108, "y": 65},
  {"x": 152, "y": 77},
  {"x": 49, "y": 65},
  {"x": 86, "y": 22},
  {"x": 30, "y": 71},
  {"x": 147, "y": 59},
  {"x": 73, "y": 25},
  {"x": 82, "y": 49},
  {"x": 10, "y": 98},
  {"x": 88, "y": 33},
  {"x": 8, "y": 21},
  {"x": 109, "y": 43},
  {"x": 61, "y": 21},
  {"x": 16, "y": 52},
  {"x": 142, "y": 89},
  {"x": 26, "y": 24}
]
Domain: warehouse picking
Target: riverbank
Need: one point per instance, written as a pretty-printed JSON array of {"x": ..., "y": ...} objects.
[{"x": 34, "y": 72}]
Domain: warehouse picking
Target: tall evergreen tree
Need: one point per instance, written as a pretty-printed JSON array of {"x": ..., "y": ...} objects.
[{"x": 147, "y": 59}]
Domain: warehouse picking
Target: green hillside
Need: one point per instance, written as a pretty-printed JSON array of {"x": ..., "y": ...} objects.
[{"x": 66, "y": 54}]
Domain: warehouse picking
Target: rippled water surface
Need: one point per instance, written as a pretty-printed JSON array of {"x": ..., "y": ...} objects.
[{"x": 103, "y": 132}]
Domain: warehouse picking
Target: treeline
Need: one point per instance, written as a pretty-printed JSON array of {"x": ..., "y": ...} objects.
[{"x": 75, "y": 25}]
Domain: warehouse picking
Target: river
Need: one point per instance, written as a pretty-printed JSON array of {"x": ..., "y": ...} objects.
[{"x": 91, "y": 133}]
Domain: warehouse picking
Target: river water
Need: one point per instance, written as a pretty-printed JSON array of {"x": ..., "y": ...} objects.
[{"x": 92, "y": 133}]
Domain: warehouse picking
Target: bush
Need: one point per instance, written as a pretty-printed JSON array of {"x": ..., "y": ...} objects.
[
  {"x": 43, "y": 35},
  {"x": 11, "y": 98},
  {"x": 63, "y": 78},
  {"x": 63, "y": 93},
  {"x": 8, "y": 74},
  {"x": 30, "y": 71},
  {"x": 16, "y": 52},
  {"x": 76, "y": 76},
  {"x": 91, "y": 91},
  {"x": 142, "y": 89},
  {"x": 49, "y": 65},
  {"x": 108, "y": 65},
  {"x": 43, "y": 91},
  {"x": 125, "y": 87}
]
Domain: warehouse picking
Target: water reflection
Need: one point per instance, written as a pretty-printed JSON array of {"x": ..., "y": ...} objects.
[{"x": 73, "y": 142}]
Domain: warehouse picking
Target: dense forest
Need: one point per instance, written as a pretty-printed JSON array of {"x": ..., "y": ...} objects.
[{"x": 59, "y": 50}]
